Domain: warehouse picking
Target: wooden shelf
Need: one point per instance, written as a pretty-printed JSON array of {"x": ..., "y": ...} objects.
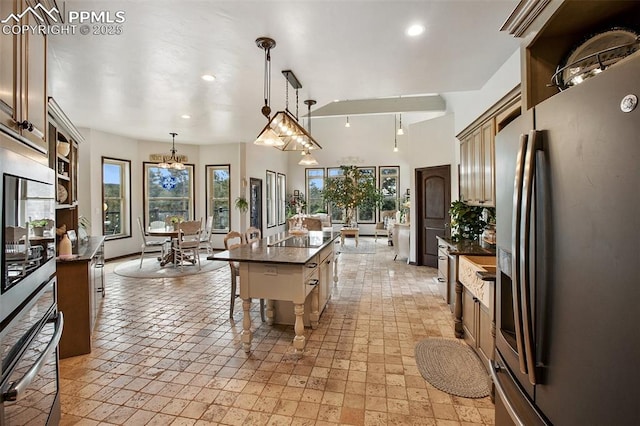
[{"x": 572, "y": 23}]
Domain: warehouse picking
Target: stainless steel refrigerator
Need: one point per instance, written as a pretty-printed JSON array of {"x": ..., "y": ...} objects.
[{"x": 568, "y": 247}]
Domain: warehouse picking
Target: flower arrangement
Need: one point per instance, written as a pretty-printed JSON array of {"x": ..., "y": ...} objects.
[{"x": 295, "y": 203}]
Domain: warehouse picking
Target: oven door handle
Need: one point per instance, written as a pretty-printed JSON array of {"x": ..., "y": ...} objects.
[{"x": 16, "y": 389}]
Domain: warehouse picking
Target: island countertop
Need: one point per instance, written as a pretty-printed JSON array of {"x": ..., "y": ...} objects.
[
  {"x": 84, "y": 250},
  {"x": 283, "y": 247}
]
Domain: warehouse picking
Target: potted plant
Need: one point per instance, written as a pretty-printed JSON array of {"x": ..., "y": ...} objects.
[
  {"x": 175, "y": 220},
  {"x": 38, "y": 226},
  {"x": 242, "y": 204},
  {"x": 467, "y": 222},
  {"x": 351, "y": 190}
]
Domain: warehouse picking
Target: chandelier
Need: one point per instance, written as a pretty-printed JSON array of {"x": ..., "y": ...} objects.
[
  {"x": 172, "y": 162},
  {"x": 308, "y": 159},
  {"x": 283, "y": 130}
]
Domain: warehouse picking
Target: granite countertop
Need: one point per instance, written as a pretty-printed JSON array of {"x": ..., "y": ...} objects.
[
  {"x": 280, "y": 248},
  {"x": 468, "y": 247},
  {"x": 84, "y": 251}
]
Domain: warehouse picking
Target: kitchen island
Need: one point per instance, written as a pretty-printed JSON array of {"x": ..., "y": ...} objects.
[{"x": 285, "y": 267}]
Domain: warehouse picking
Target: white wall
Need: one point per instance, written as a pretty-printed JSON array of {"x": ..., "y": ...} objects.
[{"x": 467, "y": 106}]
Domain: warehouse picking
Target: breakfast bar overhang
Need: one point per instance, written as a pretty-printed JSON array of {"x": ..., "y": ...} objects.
[{"x": 287, "y": 267}]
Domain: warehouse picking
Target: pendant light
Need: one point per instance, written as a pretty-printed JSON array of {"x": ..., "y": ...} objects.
[
  {"x": 267, "y": 137},
  {"x": 308, "y": 159},
  {"x": 395, "y": 135},
  {"x": 400, "y": 129},
  {"x": 347, "y": 123},
  {"x": 172, "y": 162}
]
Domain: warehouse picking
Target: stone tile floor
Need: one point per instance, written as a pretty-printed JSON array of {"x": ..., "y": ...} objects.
[{"x": 166, "y": 353}]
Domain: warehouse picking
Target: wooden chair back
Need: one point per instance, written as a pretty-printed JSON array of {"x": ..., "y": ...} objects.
[{"x": 312, "y": 224}]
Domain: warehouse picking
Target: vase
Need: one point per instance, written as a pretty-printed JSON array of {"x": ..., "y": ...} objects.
[
  {"x": 65, "y": 250},
  {"x": 38, "y": 231}
]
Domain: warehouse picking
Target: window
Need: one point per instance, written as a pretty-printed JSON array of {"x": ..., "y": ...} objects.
[
  {"x": 116, "y": 198},
  {"x": 271, "y": 199},
  {"x": 389, "y": 184},
  {"x": 367, "y": 213},
  {"x": 282, "y": 198},
  {"x": 336, "y": 213},
  {"x": 219, "y": 197},
  {"x": 168, "y": 192},
  {"x": 315, "y": 184}
]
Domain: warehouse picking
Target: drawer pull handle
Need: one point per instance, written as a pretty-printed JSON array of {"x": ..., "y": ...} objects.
[
  {"x": 442, "y": 257},
  {"x": 311, "y": 265},
  {"x": 439, "y": 246},
  {"x": 314, "y": 282},
  {"x": 442, "y": 280}
]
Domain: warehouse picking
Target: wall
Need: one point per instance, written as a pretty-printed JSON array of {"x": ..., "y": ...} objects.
[
  {"x": 432, "y": 143},
  {"x": 467, "y": 106}
]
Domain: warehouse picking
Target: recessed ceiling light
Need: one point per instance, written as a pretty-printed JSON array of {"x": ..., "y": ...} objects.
[
  {"x": 208, "y": 77},
  {"x": 415, "y": 30},
  {"x": 185, "y": 116}
]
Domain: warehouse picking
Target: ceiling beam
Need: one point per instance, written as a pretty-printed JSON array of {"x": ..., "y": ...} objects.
[{"x": 426, "y": 103}]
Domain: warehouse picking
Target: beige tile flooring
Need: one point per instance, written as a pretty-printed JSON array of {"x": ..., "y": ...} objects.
[{"x": 166, "y": 353}]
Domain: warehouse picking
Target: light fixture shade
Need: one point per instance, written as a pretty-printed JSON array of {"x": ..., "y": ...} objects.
[
  {"x": 400, "y": 131},
  {"x": 285, "y": 133},
  {"x": 308, "y": 160},
  {"x": 347, "y": 123},
  {"x": 268, "y": 138}
]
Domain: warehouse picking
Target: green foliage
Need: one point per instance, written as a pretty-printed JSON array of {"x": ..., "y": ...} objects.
[
  {"x": 242, "y": 204},
  {"x": 351, "y": 190},
  {"x": 466, "y": 221},
  {"x": 39, "y": 223}
]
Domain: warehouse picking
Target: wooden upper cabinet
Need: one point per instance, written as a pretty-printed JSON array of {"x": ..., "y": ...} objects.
[
  {"x": 477, "y": 151},
  {"x": 9, "y": 67},
  {"x": 23, "y": 78},
  {"x": 488, "y": 164},
  {"x": 34, "y": 85}
]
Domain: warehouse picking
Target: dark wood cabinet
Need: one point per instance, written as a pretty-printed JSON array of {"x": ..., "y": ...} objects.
[
  {"x": 23, "y": 78},
  {"x": 81, "y": 287}
]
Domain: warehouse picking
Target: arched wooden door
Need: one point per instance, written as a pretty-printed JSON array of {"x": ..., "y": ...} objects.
[{"x": 433, "y": 190}]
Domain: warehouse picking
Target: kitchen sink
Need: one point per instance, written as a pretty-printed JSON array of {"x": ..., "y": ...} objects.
[{"x": 467, "y": 275}]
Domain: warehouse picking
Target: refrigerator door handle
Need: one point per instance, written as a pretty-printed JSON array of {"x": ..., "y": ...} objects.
[
  {"x": 515, "y": 250},
  {"x": 525, "y": 253}
]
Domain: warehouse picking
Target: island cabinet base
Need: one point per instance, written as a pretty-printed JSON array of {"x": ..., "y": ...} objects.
[{"x": 283, "y": 282}]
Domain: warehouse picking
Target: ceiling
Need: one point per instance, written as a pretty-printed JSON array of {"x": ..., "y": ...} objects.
[{"x": 141, "y": 82}]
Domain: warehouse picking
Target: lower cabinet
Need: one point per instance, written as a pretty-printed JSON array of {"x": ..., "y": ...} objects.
[
  {"x": 443, "y": 272},
  {"x": 477, "y": 325},
  {"x": 81, "y": 287}
]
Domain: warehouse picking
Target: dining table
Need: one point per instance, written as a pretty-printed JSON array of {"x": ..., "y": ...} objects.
[{"x": 173, "y": 234}]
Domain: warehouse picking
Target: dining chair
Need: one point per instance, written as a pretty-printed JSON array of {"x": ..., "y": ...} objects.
[
  {"x": 252, "y": 234},
  {"x": 187, "y": 246},
  {"x": 232, "y": 240},
  {"x": 382, "y": 228},
  {"x": 149, "y": 242},
  {"x": 207, "y": 235},
  {"x": 158, "y": 224},
  {"x": 18, "y": 256}
]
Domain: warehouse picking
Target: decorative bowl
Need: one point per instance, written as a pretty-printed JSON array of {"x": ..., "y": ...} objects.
[{"x": 63, "y": 148}]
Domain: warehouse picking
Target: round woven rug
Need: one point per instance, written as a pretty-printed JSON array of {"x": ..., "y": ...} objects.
[
  {"x": 151, "y": 268},
  {"x": 452, "y": 367}
]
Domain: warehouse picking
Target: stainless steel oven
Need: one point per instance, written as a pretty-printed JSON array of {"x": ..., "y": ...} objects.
[
  {"x": 27, "y": 190},
  {"x": 29, "y": 384}
]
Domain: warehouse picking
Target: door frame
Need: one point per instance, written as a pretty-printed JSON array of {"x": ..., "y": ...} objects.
[
  {"x": 419, "y": 198},
  {"x": 255, "y": 203}
]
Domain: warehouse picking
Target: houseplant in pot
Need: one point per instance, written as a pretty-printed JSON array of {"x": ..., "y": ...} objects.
[
  {"x": 38, "y": 226},
  {"x": 351, "y": 190},
  {"x": 242, "y": 204},
  {"x": 467, "y": 222}
]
